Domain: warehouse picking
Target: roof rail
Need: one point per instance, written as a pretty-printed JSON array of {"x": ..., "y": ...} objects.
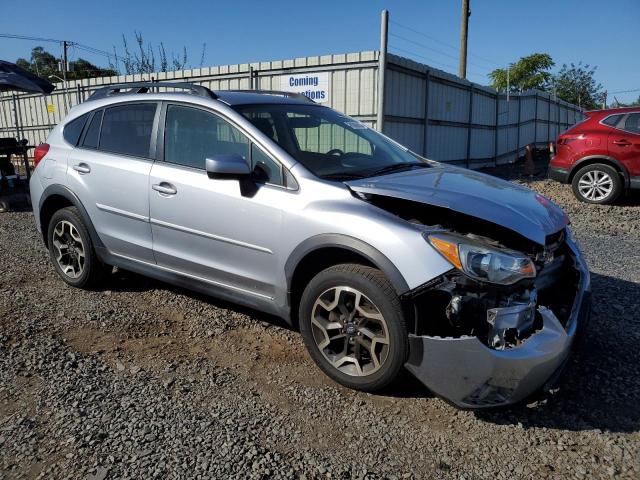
[
  {"x": 144, "y": 87},
  {"x": 299, "y": 96}
]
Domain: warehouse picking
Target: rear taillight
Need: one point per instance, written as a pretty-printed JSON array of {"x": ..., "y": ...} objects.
[
  {"x": 39, "y": 153},
  {"x": 567, "y": 140}
]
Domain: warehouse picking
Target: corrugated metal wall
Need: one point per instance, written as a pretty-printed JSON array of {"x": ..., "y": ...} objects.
[
  {"x": 353, "y": 89},
  {"x": 466, "y": 123},
  {"x": 430, "y": 111}
]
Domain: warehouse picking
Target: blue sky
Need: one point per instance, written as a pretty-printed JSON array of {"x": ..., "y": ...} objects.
[{"x": 595, "y": 32}]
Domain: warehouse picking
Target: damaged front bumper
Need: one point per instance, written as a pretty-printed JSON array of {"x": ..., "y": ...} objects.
[{"x": 469, "y": 374}]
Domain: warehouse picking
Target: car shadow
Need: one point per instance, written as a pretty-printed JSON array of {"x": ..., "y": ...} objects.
[
  {"x": 126, "y": 281},
  {"x": 600, "y": 388},
  {"x": 516, "y": 171}
]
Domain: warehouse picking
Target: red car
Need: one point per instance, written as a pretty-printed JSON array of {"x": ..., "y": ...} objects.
[{"x": 600, "y": 156}]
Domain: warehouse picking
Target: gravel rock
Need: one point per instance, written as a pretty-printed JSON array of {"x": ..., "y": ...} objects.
[{"x": 145, "y": 380}]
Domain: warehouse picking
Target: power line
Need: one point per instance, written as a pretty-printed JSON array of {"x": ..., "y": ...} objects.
[
  {"x": 400, "y": 37},
  {"x": 25, "y": 37},
  {"x": 445, "y": 44},
  {"x": 422, "y": 56},
  {"x": 78, "y": 45},
  {"x": 625, "y": 91},
  {"x": 433, "y": 61}
]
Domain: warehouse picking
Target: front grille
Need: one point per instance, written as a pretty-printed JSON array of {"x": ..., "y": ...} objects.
[{"x": 557, "y": 280}]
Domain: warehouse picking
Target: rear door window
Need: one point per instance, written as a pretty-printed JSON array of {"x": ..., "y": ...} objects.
[
  {"x": 73, "y": 129},
  {"x": 126, "y": 129}
]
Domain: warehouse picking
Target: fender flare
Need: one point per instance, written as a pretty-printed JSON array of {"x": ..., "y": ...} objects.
[
  {"x": 62, "y": 191},
  {"x": 578, "y": 165},
  {"x": 335, "y": 240}
]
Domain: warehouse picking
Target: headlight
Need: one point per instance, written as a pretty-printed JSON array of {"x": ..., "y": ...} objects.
[{"x": 483, "y": 262}]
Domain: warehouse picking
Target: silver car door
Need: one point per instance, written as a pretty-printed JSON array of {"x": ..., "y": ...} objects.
[
  {"x": 109, "y": 172},
  {"x": 206, "y": 227}
]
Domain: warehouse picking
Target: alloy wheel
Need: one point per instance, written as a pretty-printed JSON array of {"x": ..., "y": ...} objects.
[
  {"x": 69, "y": 249},
  {"x": 350, "y": 331},
  {"x": 595, "y": 185}
]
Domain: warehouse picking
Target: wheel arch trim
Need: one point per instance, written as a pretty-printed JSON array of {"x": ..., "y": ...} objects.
[
  {"x": 589, "y": 158},
  {"x": 346, "y": 242},
  {"x": 65, "y": 192}
]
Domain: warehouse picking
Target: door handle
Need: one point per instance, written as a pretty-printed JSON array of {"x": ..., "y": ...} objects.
[
  {"x": 82, "y": 168},
  {"x": 165, "y": 188},
  {"x": 622, "y": 143}
]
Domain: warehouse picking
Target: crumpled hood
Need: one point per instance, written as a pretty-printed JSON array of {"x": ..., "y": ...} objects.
[{"x": 472, "y": 193}]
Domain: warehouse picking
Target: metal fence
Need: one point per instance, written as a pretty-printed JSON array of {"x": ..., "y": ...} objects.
[
  {"x": 432, "y": 112},
  {"x": 452, "y": 120}
]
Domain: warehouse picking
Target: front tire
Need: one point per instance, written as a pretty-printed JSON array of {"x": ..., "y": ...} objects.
[
  {"x": 71, "y": 250},
  {"x": 598, "y": 184},
  {"x": 353, "y": 326}
]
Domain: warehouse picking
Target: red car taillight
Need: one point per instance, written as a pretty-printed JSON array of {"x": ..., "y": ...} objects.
[
  {"x": 39, "y": 153},
  {"x": 568, "y": 139}
]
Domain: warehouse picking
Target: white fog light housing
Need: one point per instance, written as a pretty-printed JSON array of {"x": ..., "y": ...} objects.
[{"x": 482, "y": 262}]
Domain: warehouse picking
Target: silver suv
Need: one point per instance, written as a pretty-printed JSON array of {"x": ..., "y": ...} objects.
[{"x": 382, "y": 259}]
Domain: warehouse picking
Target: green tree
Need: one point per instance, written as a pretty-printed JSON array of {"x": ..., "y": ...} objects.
[
  {"x": 577, "y": 84},
  {"x": 46, "y": 65},
  {"x": 528, "y": 72}
]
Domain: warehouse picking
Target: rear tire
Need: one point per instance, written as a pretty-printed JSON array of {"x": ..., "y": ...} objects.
[
  {"x": 597, "y": 183},
  {"x": 353, "y": 326},
  {"x": 71, "y": 250}
]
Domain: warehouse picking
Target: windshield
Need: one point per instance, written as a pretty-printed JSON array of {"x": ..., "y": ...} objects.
[{"x": 331, "y": 145}]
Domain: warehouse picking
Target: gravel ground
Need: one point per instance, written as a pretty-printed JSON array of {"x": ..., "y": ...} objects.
[{"x": 143, "y": 380}]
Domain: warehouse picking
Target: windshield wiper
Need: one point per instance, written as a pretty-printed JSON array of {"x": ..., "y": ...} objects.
[
  {"x": 396, "y": 167},
  {"x": 342, "y": 176}
]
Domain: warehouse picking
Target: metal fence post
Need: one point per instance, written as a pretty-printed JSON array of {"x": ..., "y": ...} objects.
[
  {"x": 15, "y": 114},
  {"x": 251, "y": 87},
  {"x": 426, "y": 112},
  {"x": 382, "y": 67},
  {"x": 549, "y": 121},
  {"x": 495, "y": 136},
  {"x": 469, "y": 126},
  {"x": 518, "y": 125},
  {"x": 535, "y": 121}
]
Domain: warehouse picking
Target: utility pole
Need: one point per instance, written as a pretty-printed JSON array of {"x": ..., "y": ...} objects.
[
  {"x": 65, "y": 67},
  {"x": 604, "y": 102},
  {"x": 464, "y": 30},
  {"x": 382, "y": 67}
]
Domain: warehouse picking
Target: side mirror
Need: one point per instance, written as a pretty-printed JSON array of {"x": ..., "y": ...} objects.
[{"x": 227, "y": 166}]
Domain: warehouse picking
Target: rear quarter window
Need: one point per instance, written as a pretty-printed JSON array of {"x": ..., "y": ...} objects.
[
  {"x": 72, "y": 130},
  {"x": 612, "y": 120},
  {"x": 632, "y": 123},
  {"x": 93, "y": 131}
]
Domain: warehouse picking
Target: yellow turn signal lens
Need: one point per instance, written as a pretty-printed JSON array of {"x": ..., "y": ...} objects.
[
  {"x": 528, "y": 270},
  {"x": 448, "y": 250}
]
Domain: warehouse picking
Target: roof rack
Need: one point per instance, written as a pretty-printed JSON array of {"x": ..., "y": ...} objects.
[
  {"x": 299, "y": 96},
  {"x": 144, "y": 87}
]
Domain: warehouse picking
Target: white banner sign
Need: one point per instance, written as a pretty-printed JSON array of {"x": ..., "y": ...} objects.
[{"x": 313, "y": 85}]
